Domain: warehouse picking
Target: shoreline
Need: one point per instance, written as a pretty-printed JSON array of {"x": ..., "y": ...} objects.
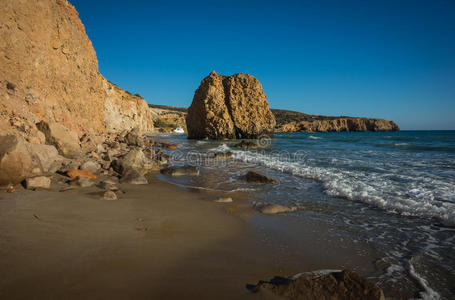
[{"x": 152, "y": 240}]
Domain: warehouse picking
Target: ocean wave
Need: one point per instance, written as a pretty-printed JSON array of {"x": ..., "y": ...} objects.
[
  {"x": 221, "y": 148},
  {"x": 312, "y": 137},
  {"x": 420, "y": 196},
  {"x": 428, "y": 293}
]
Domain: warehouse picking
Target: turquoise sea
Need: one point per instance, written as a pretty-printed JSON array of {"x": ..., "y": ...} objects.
[{"x": 393, "y": 192}]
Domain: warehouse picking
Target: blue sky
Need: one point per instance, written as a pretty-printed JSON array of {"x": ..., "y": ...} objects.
[{"x": 388, "y": 59}]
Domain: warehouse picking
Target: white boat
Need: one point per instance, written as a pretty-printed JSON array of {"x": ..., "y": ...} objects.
[{"x": 179, "y": 130}]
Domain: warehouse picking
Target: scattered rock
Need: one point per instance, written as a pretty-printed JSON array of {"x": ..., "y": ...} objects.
[
  {"x": 134, "y": 138},
  {"x": 133, "y": 177},
  {"x": 80, "y": 173},
  {"x": 20, "y": 159},
  {"x": 39, "y": 182},
  {"x": 90, "y": 166},
  {"x": 224, "y": 200},
  {"x": 135, "y": 160},
  {"x": 84, "y": 182},
  {"x": 11, "y": 189},
  {"x": 269, "y": 209},
  {"x": 180, "y": 171},
  {"x": 256, "y": 177},
  {"x": 229, "y": 107},
  {"x": 247, "y": 145},
  {"x": 222, "y": 155},
  {"x": 108, "y": 185},
  {"x": 325, "y": 284},
  {"x": 166, "y": 145},
  {"x": 66, "y": 141},
  {"x": 109, "y": 195}
]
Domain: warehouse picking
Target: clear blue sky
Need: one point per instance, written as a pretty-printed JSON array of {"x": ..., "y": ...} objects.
[{"x": 388, "y": 58}]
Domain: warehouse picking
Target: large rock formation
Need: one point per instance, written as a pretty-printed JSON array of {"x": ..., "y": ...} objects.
[
  {"x": 49, "y": 71},
  {"x": 229, "y": 107}
]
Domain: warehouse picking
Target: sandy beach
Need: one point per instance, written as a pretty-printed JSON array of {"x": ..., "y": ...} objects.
[{"x": 155, "y": 242}]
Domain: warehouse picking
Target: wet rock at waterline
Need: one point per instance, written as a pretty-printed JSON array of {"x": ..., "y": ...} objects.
[
  {"x": 180, "y": 171},
  {"x": 324, "y": 284}
]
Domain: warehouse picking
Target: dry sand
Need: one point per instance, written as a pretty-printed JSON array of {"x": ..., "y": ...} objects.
[{"x": 155, "y": 242}]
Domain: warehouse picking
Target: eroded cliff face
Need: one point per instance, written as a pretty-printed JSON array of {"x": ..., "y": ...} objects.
[
  {"x": 339, "y": 124},
  {"x": 49, "y": 71},
  {"x": 229, "y": 107},
  {"x": 125, "y": 111}
]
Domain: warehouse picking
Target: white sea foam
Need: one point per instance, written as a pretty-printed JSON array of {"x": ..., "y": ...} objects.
[
  {"x": 312, "y": 137},
  {"x": 428, "y": 293},
  {"x": 221, "y": 148},
  {"x": 417, "y": 197}
]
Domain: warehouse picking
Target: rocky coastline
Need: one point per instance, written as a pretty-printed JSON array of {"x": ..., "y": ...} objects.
[{"x": 68, "y": 134}]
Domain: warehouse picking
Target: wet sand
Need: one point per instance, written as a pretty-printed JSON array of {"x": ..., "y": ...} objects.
[{"x": 155, "y": 242}]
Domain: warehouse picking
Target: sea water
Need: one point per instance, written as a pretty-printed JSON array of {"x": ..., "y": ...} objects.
[{"x": 394, "y": 191}]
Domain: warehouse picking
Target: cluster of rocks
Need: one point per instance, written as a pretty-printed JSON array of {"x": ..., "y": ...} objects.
[{"x": 67, "y": 162}]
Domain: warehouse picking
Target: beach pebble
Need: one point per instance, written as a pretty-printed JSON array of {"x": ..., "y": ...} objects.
[
  {"x": 224, "y": 200},
  {"x": 109, "y": 195}
]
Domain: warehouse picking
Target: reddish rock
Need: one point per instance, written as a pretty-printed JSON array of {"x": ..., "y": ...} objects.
[{"x": 80, "y": 173}]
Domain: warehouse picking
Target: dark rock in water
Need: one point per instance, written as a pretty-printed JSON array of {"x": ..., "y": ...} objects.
[
  {"x": 247, "y": 145},
  {"x": 256, "y": 177},
  {"x": 180, "y": 171},
  {"x": 133, "y": 177},
  {"x": 319, "y": 285},
  {"x": 221, "y": 155}
]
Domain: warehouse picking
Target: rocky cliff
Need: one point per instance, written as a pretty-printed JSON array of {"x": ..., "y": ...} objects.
[
  {"x": 229, "y": 107},
  {"x": 291, "y": 121},
  {"x": 124, "y": 111},
  {"x": 49, "y": 71}
]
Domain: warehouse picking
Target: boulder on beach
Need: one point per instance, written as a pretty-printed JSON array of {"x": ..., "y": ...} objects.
[
  {"x": 65, "y": 140},
  {"x": 229, "y": 107},
  {"x": 324, "y": 284},
  {"x": 39, "y": 182},
  {"x": 20, "y": 160}
]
